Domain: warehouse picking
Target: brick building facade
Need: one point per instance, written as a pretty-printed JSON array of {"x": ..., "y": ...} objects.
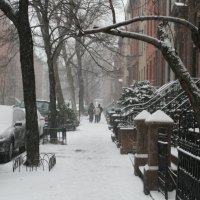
[
  {"x": 189, "y": 10},
  {"x": 145, "y": 61}
]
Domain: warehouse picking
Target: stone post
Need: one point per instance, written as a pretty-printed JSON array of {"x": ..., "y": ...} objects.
[
  {"x": 154, "y": 122},
  {"x": 141, "y": 153},
  {"x": 127, "y": 138}
]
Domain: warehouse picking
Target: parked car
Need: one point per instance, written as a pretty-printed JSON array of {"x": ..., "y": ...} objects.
[
  {"x": 43, "y": 108},
  {"x": 41, "y": 123},
  {"x": 12, "y": 130}
]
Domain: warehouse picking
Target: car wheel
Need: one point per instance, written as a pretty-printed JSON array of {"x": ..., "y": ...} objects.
[{"x": 9, "y": 154}]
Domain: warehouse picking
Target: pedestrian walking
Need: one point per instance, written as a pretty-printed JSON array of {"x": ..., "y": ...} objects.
[
  {"x": 97, "y": 112},
  {"x": 91, "y": 112},
  {"x": 101, "y": 110}
]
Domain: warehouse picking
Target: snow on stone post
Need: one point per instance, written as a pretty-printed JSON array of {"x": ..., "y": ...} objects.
[
  {"x": 154, "y": 122},
  {"x": 141, "y": 154}
]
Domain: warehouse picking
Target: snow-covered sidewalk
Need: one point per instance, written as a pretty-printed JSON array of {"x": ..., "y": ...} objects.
[{"x": 89, "y": 167}]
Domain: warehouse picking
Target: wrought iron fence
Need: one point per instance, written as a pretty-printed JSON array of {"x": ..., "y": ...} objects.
[
  {"x": 163, "y": 162},
  {"x": 188, "y": 181},
  {"x": 166, "y": 176},
  {"x": 46, "y": 160},
  {"x": 55, "y": 135}
]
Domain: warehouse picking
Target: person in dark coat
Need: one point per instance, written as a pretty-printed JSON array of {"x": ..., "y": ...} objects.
[
  {"x": 97, "y": 112},
  {"x": 101, "y": 110},
  {"x": 91, "y": 112}
]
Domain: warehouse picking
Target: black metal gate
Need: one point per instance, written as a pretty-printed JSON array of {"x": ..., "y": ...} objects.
[
  {"x": 188, "y": 181},
  {"x": 163, "y": 162}
]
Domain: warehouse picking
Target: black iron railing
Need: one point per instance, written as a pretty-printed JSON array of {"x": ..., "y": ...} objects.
[
  {"x": 55, "y": 135},
  {"x": 166, "y": 176},
  {"x": 188, "y": 180},
  {"x": 46, "y": 160},
  {"x": 163, "y": 163}
]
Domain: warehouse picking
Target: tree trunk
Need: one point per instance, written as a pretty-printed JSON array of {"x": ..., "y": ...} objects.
[
  {"x": 52, "y": 84},
  {"x": 70, "y": 79},
  {"x": 28, "y": 76},
  {"x": 20, "y": 19},
  {"x": 53, "y": 111},
  {"x": 87, "y": 96},
  {"x": 178, "y": 67},
  {"x": 43, "y": 19},
  {"x": 59, "y": 93},
  {"x": 80, "y": 77}
]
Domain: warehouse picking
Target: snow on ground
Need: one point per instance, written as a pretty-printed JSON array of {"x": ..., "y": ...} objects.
[{"x": 89, "y": 167}]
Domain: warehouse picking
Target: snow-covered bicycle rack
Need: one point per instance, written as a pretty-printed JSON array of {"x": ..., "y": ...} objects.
[{"x": 46, "y": 161}]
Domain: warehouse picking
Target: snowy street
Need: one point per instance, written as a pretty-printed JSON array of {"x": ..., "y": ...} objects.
[{"x": 89, "y": 167}]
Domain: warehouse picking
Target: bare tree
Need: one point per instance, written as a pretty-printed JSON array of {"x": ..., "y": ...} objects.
[
  {"x": 68, "y": 60},
  {"x": 83, "y": 15},
  {"x": 18, "y": 14},
  {"x": 165, "y": 46},
  {"x": 62, "y": 19},
  {"x": 44, "y": 16}
]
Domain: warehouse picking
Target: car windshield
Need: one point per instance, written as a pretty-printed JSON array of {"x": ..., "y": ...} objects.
[
  {"x": 41, "y": 105},
  {"x": 6, "y": 116}
]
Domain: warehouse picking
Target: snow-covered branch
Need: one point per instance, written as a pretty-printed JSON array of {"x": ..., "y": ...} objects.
[
  {"x": 133, "y": 35},
  {"x": 194, "y": 30},
  {"x": 184, "y": 22},
  {"x": 180, "y": 71}
]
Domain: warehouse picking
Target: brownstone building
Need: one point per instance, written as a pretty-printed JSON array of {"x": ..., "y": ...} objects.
[
  {"x": 145, "y": 62},
  {"x": 189, "y": 10}
]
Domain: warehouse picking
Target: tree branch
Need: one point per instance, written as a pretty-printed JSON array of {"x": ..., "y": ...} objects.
[
  {"x": 184, "y": 22},
  {"x": 113, "y": 11},
  {"x": 9, "y": 11},
  {"x": 145, "y": 38}
]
